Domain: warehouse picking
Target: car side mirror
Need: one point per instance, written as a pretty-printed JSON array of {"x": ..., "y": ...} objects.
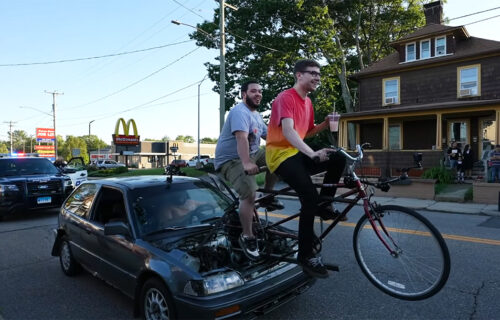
[{"x": 116, "y": 228}]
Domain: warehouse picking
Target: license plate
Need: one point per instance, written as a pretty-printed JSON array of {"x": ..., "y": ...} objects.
[{"x": 42, "y": 200}]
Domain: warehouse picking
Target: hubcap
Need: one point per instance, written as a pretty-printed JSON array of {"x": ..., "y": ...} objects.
[
  {"x": 155, "y": 305},
  {"x": 65, "y": 256}
]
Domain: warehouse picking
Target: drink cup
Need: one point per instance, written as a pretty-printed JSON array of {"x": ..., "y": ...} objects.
[{"x": 334, "y": 121}]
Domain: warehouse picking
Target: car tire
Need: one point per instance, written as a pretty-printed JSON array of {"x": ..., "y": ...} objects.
[
  {"x": 68, "y": 263},
  {"x": 156, "y": 301}
]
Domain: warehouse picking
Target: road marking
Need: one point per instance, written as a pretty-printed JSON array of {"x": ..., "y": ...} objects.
[{"x": 445, "y": 236}]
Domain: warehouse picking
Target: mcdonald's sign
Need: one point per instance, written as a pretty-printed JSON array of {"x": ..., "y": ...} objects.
[{"x": 125, "y": 138}]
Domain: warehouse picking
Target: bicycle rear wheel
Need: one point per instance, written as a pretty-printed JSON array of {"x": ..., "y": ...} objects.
[{"x": 420, "y": 264}]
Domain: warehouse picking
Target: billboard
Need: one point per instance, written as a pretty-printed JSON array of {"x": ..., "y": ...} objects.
[{"x": 45, "y": 134}]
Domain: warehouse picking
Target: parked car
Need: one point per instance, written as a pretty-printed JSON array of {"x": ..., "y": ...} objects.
[
  {"x": 179, "y": 163},
  {"x": 132, "y": 233},
  {"x": 204, "y": 160},
  {"x": 108, "y": 164},
  {"x": 31, "y": 183}
]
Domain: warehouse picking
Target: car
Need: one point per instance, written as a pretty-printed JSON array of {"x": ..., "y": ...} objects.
[
  {"x": 31, "y": 183},
  {"x": 108, "y": 164},
  {"x": 179, "y": 163},
  {"x": 173, "y": 263},
  {"x": 75, "y": 168},
  {"x": 204, "y": 160}
]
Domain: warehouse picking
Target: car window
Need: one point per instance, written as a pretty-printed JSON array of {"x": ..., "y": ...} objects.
[
  {"x": 81, "y": 200},
  {"x": 179, "y": 205},
  {"x": 110, "y": 206},
  {"x": 26, "y": 166}
]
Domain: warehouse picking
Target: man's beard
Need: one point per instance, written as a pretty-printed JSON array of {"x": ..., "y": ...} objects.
[{"x": 251, "y": 104}]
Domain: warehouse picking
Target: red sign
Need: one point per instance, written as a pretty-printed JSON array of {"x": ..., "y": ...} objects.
[
  {"x": 48, "y": 148},
  {"x": 47, "y": 155},
  {"x": 45, "y": 133},
  {"x": 126, "y": 140}
]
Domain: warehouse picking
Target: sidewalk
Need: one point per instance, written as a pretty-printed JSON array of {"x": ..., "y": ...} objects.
[{"x": 432, "y": 205}]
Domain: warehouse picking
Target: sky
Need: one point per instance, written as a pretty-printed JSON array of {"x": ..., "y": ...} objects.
[{"x": 157, "y": 88}]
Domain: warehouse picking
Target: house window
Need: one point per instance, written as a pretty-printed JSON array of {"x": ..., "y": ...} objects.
[
  {"x": 391, "y": 91},
  {"x": 410, "y": 52},
  {"x": 469, "y": 81},
  {"x": 440, "y": 46},
  {"x": 425, "y": 49},
  {"x": 395, "y": 137}
]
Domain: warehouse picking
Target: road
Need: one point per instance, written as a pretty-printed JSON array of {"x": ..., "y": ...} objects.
[{"x": 32, "y": 286}]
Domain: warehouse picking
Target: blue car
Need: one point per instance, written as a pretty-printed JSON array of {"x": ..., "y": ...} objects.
[{"x": 170, "y": 244}]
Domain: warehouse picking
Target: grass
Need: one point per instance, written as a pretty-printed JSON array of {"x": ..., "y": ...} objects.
[{"x": 469, "y": 195}]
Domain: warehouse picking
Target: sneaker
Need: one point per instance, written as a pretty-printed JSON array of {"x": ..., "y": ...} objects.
[
  {"x": 249, "y": 247},
  {"x": 271, "y": 204},
  {"x": 328, "y": 213},
  {"x": 313, "y": 266}
]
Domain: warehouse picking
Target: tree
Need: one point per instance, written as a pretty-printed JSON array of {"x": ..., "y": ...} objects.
[
  {"x": 188, "y": 139},
  {"x": 209, "y": 140},
  {"x": 264, "y": 38},
  {"x": 73, "y": 143},
  {"x": 3, "y": 148},
  {"x": 94, "y": 143}
]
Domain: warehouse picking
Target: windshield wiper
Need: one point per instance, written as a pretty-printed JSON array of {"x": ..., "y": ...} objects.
[{"x": 176, "y": 228}]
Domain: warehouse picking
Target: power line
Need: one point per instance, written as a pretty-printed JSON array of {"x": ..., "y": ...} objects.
[
  {"x": 138, "y": 81},
  {"x": 468, "y": 24},
  {"x": 471, "y": 14},
  {"x": 96, "y": 57},
  {"x": 191, "y": 10}
]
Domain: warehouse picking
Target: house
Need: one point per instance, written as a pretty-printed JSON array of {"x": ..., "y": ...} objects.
[{"x": 440, "y": 85}]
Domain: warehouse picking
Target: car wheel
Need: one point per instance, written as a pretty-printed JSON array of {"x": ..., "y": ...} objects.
[
  {"x": 68, "y": 264},
  {"x": 156, "y": 302}
]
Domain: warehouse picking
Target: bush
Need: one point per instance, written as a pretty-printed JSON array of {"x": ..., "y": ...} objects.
[
  {"x": 441, "y": 174},
  {"x": 209, "y": 167},
  {"x": 120, "y": 170}
]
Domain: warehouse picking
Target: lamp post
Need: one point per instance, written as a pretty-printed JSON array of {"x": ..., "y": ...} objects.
[
  {"x": 199, "y": 85},
  {"x": 89, "y": 138}
]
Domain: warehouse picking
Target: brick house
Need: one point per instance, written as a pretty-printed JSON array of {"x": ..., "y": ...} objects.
[{"x": 440, "y": 85}]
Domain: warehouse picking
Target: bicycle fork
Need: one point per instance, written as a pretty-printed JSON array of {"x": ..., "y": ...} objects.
[{"x": 373, "y": 218}]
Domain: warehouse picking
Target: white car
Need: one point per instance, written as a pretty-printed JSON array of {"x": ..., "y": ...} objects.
[
  {"x": 75, "y": 169},
  {"x": 108, "y": 164},
  {"x": 204, "y": 159}
]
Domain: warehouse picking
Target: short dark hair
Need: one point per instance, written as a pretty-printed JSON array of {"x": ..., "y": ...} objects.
[
  {"x": 301, "y": 65},
  {"x": 246, "y": 84}
]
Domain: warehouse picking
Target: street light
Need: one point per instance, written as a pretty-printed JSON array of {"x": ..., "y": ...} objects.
[
  {"x": 222, "y": 81},
  {"x": 53, "y": 115},
  {"x": 199, "y": 85}
]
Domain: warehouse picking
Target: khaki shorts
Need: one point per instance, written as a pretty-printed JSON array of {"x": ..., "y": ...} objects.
[{"x": 232, "y": 171}]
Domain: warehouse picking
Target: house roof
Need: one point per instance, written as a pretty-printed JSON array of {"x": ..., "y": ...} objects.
[
  {"x": 421, "y": 107},
  {"x": 471, "y": 47},
  {"x": 429, "y": 31}
]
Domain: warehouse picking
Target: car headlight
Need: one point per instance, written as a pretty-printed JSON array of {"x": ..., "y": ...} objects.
[
  {"x": 4, "y": 188},
  {"x": 68, "y": 183},
  {"x": 213, "y": 284}
]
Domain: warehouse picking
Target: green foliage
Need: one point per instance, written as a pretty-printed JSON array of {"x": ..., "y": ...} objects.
[
  {"x": 3, "y": 148},
  {"x": 71, "y": 143},
  {"x": 260, "y": 179},
  {"x": 441, "y": 174},
  {"x": 192, "y": 172},
  {"x": 188, "y": 139},
  {"x": 209, "y": 140},
  {"x": 108, "y": 172},
  {"x": 469, "y": 196}
]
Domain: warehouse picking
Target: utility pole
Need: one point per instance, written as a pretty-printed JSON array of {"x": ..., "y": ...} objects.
[
  {"x": 10, "y": 131},
  {"x": 54, "y": 93},
  {"x": 222, "y": 60}
]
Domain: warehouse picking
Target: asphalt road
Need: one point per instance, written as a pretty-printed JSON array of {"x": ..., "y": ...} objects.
[{"x": 32, "y": 286}]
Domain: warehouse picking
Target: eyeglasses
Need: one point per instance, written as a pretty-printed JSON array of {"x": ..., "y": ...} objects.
[{"x": 313, "y": 73}]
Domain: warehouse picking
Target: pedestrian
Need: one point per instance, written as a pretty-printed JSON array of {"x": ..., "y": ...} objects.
[
  {"x": 292, "y": 120},
  {"x": 495, "y": 163},
  {"x": 238, "y": 157},
  {"x": 468, "y": 155},
  {"x": 453, "y": 153}
]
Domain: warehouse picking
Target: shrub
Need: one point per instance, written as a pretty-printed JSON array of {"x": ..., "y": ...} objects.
[
  {"x": 441, "y": 174},
  {"x": 469, "y": 195},
  {"x": 120, "y": 170}
]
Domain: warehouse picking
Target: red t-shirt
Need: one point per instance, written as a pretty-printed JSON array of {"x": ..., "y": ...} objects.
[{"x": 288, "y": 104}]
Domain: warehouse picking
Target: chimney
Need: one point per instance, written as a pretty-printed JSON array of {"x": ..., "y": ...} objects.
[{"x": 433, "y": 12}]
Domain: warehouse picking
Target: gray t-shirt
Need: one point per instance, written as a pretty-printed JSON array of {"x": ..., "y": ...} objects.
[{"x": 240, "y": 118}]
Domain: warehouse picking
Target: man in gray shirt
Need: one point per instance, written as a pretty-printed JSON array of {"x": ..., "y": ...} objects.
[{"x": 238, "y": 152}]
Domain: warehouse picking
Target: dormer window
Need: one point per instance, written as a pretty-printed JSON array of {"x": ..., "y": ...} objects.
[
  {"x": 440, "y": 46},
  {"x": 411, "y": 52},
  {"x": 425, "y": 49}
]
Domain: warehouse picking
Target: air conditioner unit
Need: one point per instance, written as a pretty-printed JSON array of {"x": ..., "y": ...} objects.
[
  {"x": 465, "y": 92},
  {"x": 390, "y": 100}
]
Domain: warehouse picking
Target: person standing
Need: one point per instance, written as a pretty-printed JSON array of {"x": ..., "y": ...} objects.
[
  {"x": 495, "y": 163},
  {"x": 238, "y": 157},
  {"x": 468, "y": 156},
  {"x": 292, "y": 120}
]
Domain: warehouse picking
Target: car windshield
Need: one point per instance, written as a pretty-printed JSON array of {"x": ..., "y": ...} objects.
[
  {"x": 177, "y": 205},
  {"x": 26, "y": 166}
]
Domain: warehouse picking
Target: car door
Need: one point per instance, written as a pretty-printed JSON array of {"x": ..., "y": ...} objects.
[
  {"x": 122, "y": 259},
  {"x": 80, "y": 231}
]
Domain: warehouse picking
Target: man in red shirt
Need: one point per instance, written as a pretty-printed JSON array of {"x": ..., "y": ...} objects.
[{"x": 292, "y": 120}]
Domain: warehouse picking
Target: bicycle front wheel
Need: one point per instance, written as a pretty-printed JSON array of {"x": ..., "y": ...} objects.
[{"x": 419, "y": 264}]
